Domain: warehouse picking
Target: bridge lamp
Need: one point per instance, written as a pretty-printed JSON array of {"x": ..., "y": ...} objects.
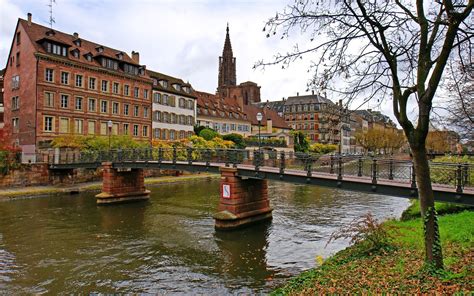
[
  {"x": 259, "y": 119},
  {"x": 109, "y": 125}
]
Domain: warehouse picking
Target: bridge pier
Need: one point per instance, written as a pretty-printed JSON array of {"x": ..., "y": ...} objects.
[
  {"x": 121, "y": 186},
  {"x": 242, "y": 201}
]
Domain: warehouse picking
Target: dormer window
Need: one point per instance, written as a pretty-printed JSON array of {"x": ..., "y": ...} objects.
[
  {"x": 130, "y": 69},
  {"x": 141, "y": 71},
  {"x": 120, "y": 55},
  {"x": 75, "y": 53},
  {"x": 77, "y": 42},
  {"x": 55, "y": 49},
  {"x": 177, "y": 86},
  {"x": 50, "y": 33},
  {"x": 164, "y": 83},
  {"x": 155, "y": 82},
  {"x": 99, "y": 49},
  {"x": 89, "y": 57},
  {"x": 109, "y": 63}
]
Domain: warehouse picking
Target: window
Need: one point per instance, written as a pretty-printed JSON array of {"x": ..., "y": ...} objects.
[
  {"x": 56, "y": 49},
  {"x": 145, "y": 93},
  {"x": 91, "y": 83},
  {"x": 157, "y": 98},
  {"x": 126, "y": 108},
  {"x": 115, "y": 88},
  {"x": 78, "y": 103},
  {"x": 145, "y": 131},
  {"x": 130, "y": 69},
  {"x": 145, "y": 112},
  {"x": 105, "y": 85},
  {"x": 48, "y": 122},
  {"x": 64, "y": 125},
  {"x": 156, "y": 133},
  {"x": 91, "y": 127},
  {"x": 171, "y": 134},
  {"x": 64, "y": 78},
  {"x": 165, "y": 100},
  {"x": 115, "y": 128},
  {"x": 78, "y": 80},
  {"x": 64, "y": 101},
  {"x": 109, "y": 63},
  {"x": 115, "y": 108},
  {"x": 49, "y": 75},
  {"x": 18, "y": 59},
  {"x": 15, "y": 124},
  {"x": 135, "y": 111},
  {"x": 16, "y": 82},
  {"x": 182, "y": 103},
  {"x": 136, "y": 92},
  {"x": 92, "y": 105},
  {"x": 157, "y": 116},
  {"x": 89, "y": 57},
  {"x": 103, "y": 128},
  {"x": 78, "y": 126},
  {"x": 126, "y": 90},
  {"x": 103, "y": 106},
  {"x": 49, "y": 99},
  {"x": 135, "y": 130},
  {"x": 15, "y": 103},
  {"x": 125, "y": 128},
  {"x": 164, "y": 83}
]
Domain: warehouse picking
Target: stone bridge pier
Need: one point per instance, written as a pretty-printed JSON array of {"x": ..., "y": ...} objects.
[
  {"x": 121, "y": 185},
  {"x": 242, "y": 201}
]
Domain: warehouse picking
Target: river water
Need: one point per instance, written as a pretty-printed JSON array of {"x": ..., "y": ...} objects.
[{"x": 67, "y": 244}]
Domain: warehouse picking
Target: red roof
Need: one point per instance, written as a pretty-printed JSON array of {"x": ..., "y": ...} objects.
[
  {"x": 223, "y": 107},
  {"x": 267, "y": 113},
  {"x": 37, "y": 32}
]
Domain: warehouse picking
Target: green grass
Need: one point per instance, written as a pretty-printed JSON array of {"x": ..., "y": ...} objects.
[
  {"x": 442, "y": 208},
  {"x": 399, "y": 269}
]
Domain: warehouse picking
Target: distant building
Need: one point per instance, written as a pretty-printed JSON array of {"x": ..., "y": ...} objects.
[
  {"x": 272, "y": 125},
  {"x": 174, "y": 107},
  {"x": 58, "y": 84}
]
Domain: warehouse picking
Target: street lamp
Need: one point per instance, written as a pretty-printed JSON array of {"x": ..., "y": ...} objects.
[
  {"x": 109, "y": 125},
  {"x": 259, "y": 119}
]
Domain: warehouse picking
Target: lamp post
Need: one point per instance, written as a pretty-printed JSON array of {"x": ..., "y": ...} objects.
[
  {"x": 109, "y": 125},
  {"x": 259, "y": 119}
]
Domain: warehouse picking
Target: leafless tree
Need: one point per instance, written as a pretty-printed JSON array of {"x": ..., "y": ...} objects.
[{"x": 392, "y": 49}]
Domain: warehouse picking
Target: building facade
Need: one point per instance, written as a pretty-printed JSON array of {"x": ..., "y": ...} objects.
[
  {"x": 174, "y": 107},
  {"x": 58, "y": 84},
  {"x": 2, "y": 109}
]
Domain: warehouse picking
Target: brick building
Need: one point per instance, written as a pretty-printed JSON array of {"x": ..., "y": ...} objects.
[
  {"x": 1, "y": 99},
  {"x": 58, "y": 84},
  {"x": 174, "y": 107}
]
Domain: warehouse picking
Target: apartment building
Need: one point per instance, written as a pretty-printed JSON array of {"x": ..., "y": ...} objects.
[{"x": 58, "y": 84}]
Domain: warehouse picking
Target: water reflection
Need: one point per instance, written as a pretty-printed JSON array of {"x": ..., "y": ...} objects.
[{"x": 67, "y": 244}]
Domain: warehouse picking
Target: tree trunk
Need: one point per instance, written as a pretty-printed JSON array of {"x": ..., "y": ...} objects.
[{"x": 433, "y": 250}]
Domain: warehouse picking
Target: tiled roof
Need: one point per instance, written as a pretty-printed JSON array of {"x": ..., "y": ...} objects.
[
  {"x": 267, "y": 113},
  {"x": 309, "y": 99},
  {"x": 37, "y": 32},
  {"x": 223, "y": 107},
  {"x": 171, "y": 80}
]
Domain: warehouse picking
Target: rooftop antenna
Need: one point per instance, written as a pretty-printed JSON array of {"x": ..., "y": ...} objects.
[{"x": 51, "y": 18}]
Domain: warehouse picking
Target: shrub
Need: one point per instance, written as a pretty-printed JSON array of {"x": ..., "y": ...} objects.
[
  {"x": 301, "y": 142},
  {"x": 208, "y": 134},
  {"x": 366, "y": 233},
  {"x": 237, "y": 139},
  {"x": 198, "y": 129},
  {"x": 322, "y": 148},
  {"x": 97, "y": 142}
]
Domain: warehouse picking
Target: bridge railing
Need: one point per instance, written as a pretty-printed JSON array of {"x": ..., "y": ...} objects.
[{"x": 375, "y": 169}]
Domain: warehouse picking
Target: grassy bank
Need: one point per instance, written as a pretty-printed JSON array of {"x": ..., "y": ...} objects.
[
  {"x": 90, "y": 186},
  {"x": 399, "y": 267}
]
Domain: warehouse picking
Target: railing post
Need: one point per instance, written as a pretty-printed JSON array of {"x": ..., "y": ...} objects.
[
  {"x": 226, "y": 156},
  {"x": 466, "y": 172},
  {"x": 413, "y": 176},
  {"x": 73, "y": 157},
  {"x": 67, "y": 157},
  {"x": 208, "y": 157},
  {"x": 190, "y": 155},
  {"x": 175, "y": 155},
  {"x": 331, "y": 164},
  {"x": 160, "y": 155},
  {"x": 309, "y": 165},
  {"x": 390, "y": 169},
  {"x": 459, "y": 179},
  {"x": 374, "y": 171},
  {"x": 235, "y": 154},
  {"x": 282, "y": 162},
  {"x": 359, "y": 167},
  {"x": 256, "y": 156},
  {"x": 339, "y": 168}
]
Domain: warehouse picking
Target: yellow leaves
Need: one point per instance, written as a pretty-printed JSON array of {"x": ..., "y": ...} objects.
[{"x": 319, "y": 260}]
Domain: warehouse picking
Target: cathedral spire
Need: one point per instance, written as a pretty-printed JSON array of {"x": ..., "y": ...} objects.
[{"x": 227, "y": 69}]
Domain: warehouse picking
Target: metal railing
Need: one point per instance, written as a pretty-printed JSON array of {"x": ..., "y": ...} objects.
[{"x": 375, "y": 169}]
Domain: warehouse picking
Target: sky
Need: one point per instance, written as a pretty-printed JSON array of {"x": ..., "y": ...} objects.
[{"x": 179, "y": 38}]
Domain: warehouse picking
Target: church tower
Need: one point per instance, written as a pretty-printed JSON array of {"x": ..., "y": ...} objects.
[{"x": 227, "y": 70}]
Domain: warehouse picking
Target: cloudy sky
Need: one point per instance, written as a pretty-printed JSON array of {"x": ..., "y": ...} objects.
[{"x": 180, "y": 38}]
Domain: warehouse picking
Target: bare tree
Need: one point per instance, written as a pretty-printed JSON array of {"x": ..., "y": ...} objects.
[{"x": 395, "y": 50}]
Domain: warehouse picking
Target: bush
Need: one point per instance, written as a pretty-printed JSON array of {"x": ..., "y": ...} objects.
[
  {"x": 322, "y": 148},
  {"x": 301, "y": 142},
  {"x": 208, "y": 134},
  {"x": 237, "y": 139},
  {"x": 272, "y": 142},
  {"x": 198, "y": 129},
  {"x": 366, "y": 233},
  {"x": 97, "y": 142}
]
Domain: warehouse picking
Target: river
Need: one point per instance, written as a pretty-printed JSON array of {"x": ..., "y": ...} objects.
[{"x": 67, "y": 244}]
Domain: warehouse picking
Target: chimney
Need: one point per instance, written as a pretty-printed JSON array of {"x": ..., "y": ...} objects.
[
  {"x": 29, "y": 18},
  {"x": 297, "y": 94},
  {"x": 269, "y": 125},
  {"x": 312, "y": 92},
  {"x": 136, "y": 57},
  {"x": 76, "y": 35}
]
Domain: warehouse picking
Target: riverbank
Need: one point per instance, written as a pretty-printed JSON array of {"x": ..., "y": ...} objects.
[
  {"x": 399, "y": 267},
  {"x": 20, "y": 192}
]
